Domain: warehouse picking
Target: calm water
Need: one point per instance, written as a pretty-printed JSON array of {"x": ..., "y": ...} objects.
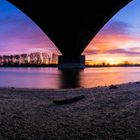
[{"x": 53, "y": 78}]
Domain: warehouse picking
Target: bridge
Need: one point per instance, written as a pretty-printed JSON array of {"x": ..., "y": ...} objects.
[{"x": 69, "y": 24}]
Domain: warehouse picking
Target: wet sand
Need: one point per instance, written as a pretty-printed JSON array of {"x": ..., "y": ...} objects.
[{"x": 104, "y": 114}]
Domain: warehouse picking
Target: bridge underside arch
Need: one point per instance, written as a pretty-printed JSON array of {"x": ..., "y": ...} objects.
[{"x": 70, "y": 25}]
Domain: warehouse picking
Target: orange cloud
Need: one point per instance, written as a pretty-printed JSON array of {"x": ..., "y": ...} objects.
[{"x": 114, "y": 45}]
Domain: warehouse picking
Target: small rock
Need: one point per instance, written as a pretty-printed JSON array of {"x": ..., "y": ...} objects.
[
  {"x": 3, "y": 113},
  {"x": 16, "y": 117},
  {"x": 12, "y": 87},
  {"x": 113, "y": 87},
  {"x": 64, "y": 124}
]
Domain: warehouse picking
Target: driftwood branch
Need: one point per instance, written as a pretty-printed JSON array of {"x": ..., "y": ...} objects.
[{"x": 70, "y": 100}]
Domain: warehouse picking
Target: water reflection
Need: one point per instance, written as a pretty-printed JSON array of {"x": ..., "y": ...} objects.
[
  {"x": 70, "y": 79},
  {"x": 53, "y": 78}
]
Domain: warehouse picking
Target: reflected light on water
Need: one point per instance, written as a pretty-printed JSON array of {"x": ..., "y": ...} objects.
[{"x": 52, "y": 78}]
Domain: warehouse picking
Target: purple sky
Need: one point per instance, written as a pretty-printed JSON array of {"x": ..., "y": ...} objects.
[
  {"x": 118, "y": 40},
  {"x": 19, "y": 34}
]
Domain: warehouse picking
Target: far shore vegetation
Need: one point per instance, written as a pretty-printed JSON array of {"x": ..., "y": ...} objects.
[
  {"x": 124, "y": 64},
  {"x": 41, "y": 59}
]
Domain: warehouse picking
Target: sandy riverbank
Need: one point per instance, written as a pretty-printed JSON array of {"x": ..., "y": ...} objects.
[{"x": 104, "y": 114}]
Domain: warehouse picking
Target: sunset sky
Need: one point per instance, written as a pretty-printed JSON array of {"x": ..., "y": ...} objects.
[
  {"x": 19, "y": 34},
  {"x": 117, "y": 41}
]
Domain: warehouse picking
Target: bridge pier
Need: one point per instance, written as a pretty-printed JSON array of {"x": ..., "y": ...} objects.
[{"x": 71, "y": 62}]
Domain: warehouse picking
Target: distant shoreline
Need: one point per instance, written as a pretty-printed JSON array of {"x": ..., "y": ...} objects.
[
  {"x": 30, "y": 65},
  {"x": 56, "y": 65}
]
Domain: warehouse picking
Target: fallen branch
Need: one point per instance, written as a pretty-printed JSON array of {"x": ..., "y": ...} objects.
[{"x": 67, "y": 101}]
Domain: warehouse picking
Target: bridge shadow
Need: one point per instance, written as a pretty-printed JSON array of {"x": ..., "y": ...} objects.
[{"x": 70, "y": 79}]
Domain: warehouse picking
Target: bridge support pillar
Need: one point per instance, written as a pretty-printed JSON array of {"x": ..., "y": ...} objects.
[{"x": 71, "y": 62}]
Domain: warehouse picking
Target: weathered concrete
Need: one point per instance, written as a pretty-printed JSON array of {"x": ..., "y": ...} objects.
[{"x": 77, "y": 62}]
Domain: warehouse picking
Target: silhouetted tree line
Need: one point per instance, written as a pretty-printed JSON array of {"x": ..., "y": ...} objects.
[
  {"x": 36, "y": 58},
  {"x": 107, "y": 64}
]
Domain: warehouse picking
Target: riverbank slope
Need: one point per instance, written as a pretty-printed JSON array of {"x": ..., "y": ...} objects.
[{"x": 105, "y": 113}]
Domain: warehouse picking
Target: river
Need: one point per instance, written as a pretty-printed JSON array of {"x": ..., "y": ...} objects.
[{"x": 52, "y": 78}]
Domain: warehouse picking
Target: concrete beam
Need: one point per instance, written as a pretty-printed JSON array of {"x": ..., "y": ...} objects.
[{"x": 71, "y": 62}]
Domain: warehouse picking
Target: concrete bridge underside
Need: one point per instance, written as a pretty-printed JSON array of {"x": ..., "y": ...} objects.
[{"x": 69, "y": 24}]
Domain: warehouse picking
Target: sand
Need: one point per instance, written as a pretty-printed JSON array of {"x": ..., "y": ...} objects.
[{"x": 104, "y": 114}]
